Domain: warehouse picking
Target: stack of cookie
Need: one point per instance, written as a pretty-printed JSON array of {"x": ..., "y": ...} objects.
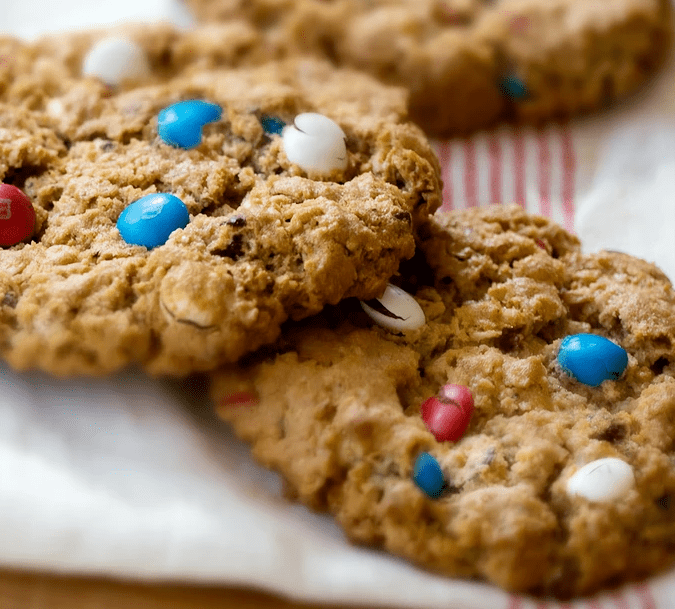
[
  {"x": 467, "y": 390},
  {"x": 522, "y": 434}
]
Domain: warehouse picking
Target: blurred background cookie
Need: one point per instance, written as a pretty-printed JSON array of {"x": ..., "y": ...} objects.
[{"x": 471, "y": 63}]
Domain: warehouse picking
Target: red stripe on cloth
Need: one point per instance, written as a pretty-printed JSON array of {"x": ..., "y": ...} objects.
[
  {"x": 495, "y": 152},
  {"x": 544, "y": 162},
  {"x": 515, "y": 602},
  {"x": 519, "y": 167},
  {"x": 645, "y": 593},
  {"x": 619, "y": 600},
  {"x": 569, "y": 168},
  {"x": 445, "y": 161},
  {"x": 470, "y": 174}
]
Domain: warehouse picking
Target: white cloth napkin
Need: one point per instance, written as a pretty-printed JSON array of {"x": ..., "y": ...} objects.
[{"x": 135, "y": 478}]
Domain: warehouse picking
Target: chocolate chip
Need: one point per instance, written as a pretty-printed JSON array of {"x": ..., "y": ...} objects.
[
  {"x": 403, "y": 215},
  {"x": 234, "y": 249},
  {"x": 510, "y": 340},
  {"x": 608, "y": 90},
  {"x": 615, "y": 432},
  {"x": 10, "y": 300},
  {"x": 663, "y": 502},
  {"x": 658, "y": 366},
  {"x": 489, "y": 455},
  {"x": 451, "y": 489},
  {"x": 237, "y": 221}
]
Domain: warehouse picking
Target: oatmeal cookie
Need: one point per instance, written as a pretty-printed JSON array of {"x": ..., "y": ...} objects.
[
  {"x": 260, "y": 234},
  {"x": 464, "y": 445},
  {"x": 470, "y": 63}
]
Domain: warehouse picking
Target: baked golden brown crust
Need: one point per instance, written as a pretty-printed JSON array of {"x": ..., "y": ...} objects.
[
  {"x": 266, "y": 240},
  {"x": 338, "y": 410}
]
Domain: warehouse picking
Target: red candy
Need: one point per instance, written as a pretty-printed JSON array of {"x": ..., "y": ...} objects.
[
  {"x": 17, "y": 216},
  {"x": 448, "y": 413}
]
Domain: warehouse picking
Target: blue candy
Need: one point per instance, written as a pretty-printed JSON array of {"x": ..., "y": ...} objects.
[
  {"x": 181, "y": 124},
  {"x": 428, "y": 475},
  {"x": 272, "y": 125},
  {"x": 592, "y": 359},
  {"x": 151, "y": 219},
  {"x": 513, "y": 87}
]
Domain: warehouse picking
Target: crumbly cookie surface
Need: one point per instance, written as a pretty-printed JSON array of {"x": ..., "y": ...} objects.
[
  {"x": 469, "y": 63},
  {"x": 266, "y": 240},
  {"x": 336, "y": 410}
]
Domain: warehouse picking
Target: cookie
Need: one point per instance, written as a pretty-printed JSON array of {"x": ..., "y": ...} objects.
[
  {"x": 471, "y": 63},
  {"x": 177, "y": 225},
  {"x": 474, "y": 446}
]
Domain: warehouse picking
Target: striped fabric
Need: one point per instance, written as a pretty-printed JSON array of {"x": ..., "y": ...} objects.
[{"x": 534, "y": 168}]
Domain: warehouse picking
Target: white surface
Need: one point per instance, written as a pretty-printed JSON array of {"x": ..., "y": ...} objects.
[
  {"x": 630, "y": 205},
  {"x": 135, "y": 478},
  {"x": 31, "y": 18}
]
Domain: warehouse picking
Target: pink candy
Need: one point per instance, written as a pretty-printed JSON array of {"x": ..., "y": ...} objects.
[
  {"x": 519, "y": 23},
  {"x": 448, "y": 413}
]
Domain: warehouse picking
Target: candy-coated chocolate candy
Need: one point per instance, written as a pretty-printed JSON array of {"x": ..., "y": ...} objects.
[
  {"x": 17, "y": 216},
  {"x": 115, "y": 60},
  {"x": 592, "y": 359},
  {"x": 447, "y": 414},
  {"x": 151, "y": 219},
  {"x": 519, "y": 24},
  {"x": 181, "y": 123},
  {"x": 272, "y": 124},
  {"x": 513, "y": 87},
  {"x": 315, "y": 143},
  {"x": 395, "y": 310},
  {"x": 602, "y": 480},
  {"x": 428, "y": 475}
]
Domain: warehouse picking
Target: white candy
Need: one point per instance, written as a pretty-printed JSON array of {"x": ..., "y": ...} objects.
[
  {"x": 602, "y": 480},
  {"x": 115, "y": 60},
  {"x": 406, "y": 313},
  {"x": 316, "y": 143}
]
